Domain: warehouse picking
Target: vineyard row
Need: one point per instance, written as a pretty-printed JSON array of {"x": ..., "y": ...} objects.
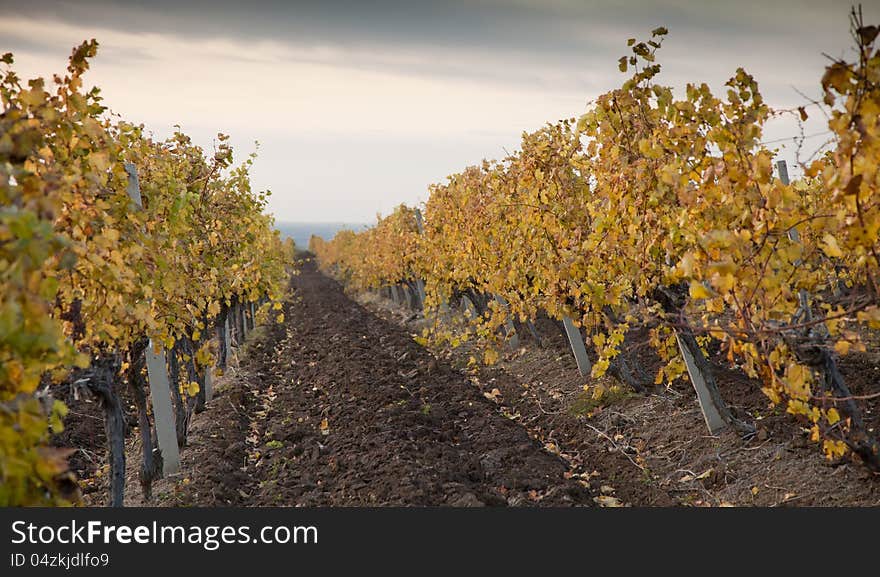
[
  {"x": 121, "y": 256},
  {"x": 664, "y": 214}
]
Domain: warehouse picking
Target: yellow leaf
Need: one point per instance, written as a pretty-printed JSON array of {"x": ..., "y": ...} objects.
[
  {"x": 600, "y": 368},
  {"x": 705, "y": 474},
  {"x": 699, "y": 291},
  {"x": 871, "y": 315},
  {"x": 832, "y": 415},
  {"x": 830, "y": 247},
  {"x": 834, "y": 449}
]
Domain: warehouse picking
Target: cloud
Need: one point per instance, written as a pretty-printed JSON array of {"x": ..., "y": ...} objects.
[
  {"x": 361, "y": 105},
  {"x": 266, "y": 87}
]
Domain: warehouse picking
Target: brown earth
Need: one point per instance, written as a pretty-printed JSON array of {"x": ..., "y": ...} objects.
[
  {"x": 339, "y": 405},
  {"x": 656, "y": 449}
]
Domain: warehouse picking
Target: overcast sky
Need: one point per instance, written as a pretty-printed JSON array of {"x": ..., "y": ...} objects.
[{"x": 359, "y": 106}]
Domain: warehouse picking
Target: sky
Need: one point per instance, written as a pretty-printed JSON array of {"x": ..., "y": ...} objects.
[{"x": 359, "y": 106}]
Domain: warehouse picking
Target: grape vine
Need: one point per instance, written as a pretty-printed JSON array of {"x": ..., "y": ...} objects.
[
  {"x": 87, "y": 276},
  {"x": 661, "y": 212}
]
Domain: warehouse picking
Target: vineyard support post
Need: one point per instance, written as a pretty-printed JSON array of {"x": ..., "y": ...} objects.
[
  {"x": 160, "y": 395},
  {"x": 394, "y": 297},
  {"x": 242, "y": 322},
  {"x": 253, "y": 316},
  {"x": 134, "y": 186},
  {"x": 420, "y": 288},
  {"x": 420, "y": 284},
  {"x": 509, "y": 329},
  {"x": 711, "y": 413},
  {"x": 221, "y": 340},
  {"x": 715, "y": 411},
  {"x": 793, "y": 235},
  {"x": 233, "y": 333},
  {"x": 157, "y": 370},
  {"x": 209, "y": 384},
  {"x": 234, "y": 323},
  {"x": 470, "y": 310},
  {"x": 228, "y": 339},
  {"x": 534, "y": 332},
  {"x": 407, "y": 295},
  {"x": 577, "y": 346}
]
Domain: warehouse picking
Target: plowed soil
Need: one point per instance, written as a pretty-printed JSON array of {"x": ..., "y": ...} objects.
[
  {"x": 654, "y": 449},
  {"x": 336, "y": 406}
]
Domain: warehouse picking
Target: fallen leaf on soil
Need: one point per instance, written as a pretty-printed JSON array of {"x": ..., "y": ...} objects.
[
  {"x": 325, "y": 427},
  {"x": 493, "y": 396},
  {"x": 608, "y": 501},
  {"x": 688, "y": 478}
]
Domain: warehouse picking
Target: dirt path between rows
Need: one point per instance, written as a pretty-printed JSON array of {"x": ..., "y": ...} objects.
[
  {"x": 336, "y": 406},
  {"x": 653, "y": 449}
]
